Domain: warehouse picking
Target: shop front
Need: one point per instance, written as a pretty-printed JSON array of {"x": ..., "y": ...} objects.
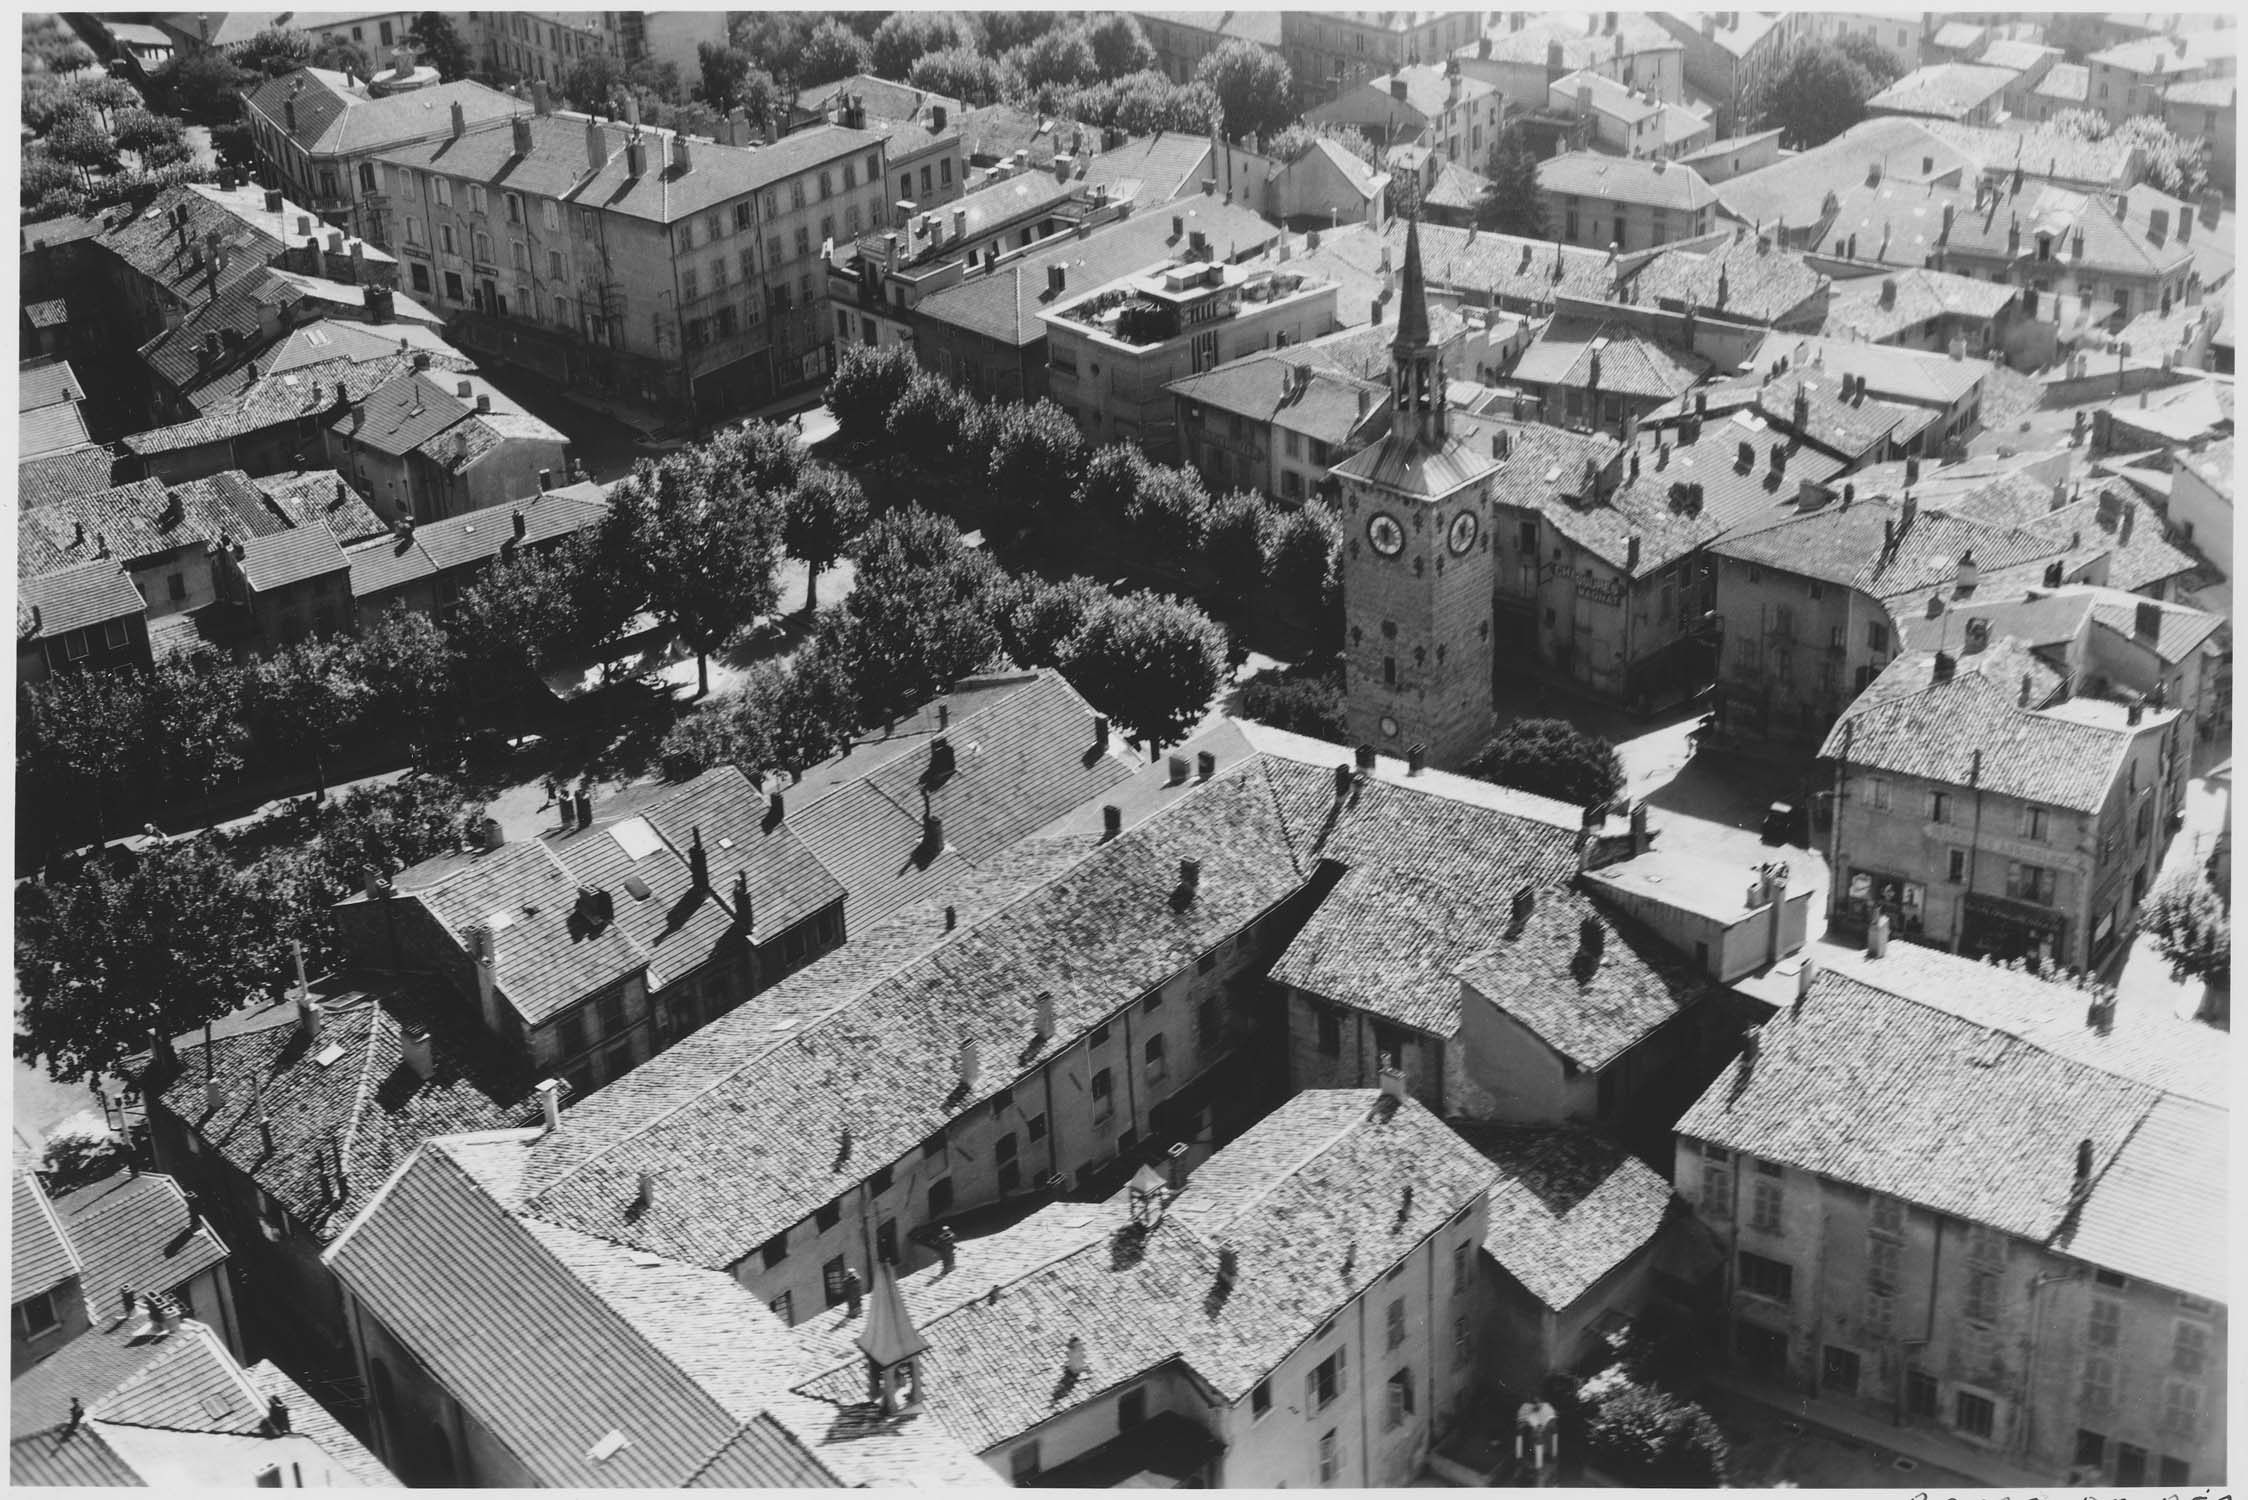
[
  {"x": 2004, "y": 929},
  {"x": 1868, "y": 891}
]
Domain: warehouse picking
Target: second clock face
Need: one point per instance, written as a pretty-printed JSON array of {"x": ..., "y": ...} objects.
[
  {"x": 1462, "y": 534},
  {"x": 1387, "y": 536}
]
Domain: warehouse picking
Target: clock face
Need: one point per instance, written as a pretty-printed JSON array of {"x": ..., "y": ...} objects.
[
  {"x": 1462, "y": 534},
  {"x": 1387, "y": 536}
]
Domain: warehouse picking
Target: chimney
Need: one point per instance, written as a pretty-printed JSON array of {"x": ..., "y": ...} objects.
[
  {"x": 550, "y": 1103},
  {"x": 495, "y": 834},
  {"x": 1416, "y": 758},
  {"x": 1112, "y": 820},
  {"x": 1190, "y": 876},
  {"x": 1591, "y": 939},
  {"x": 698, "y": 862},
  {"x": 522, "y": 127},
  {"x": 541, "y": 101},
  {"x": 1877, "y": 935},
  {"x": 2133, "y": 714},
  {"x": 932, "y": 834},
  {"x": 1392, "y": 1080},
  {"x": 2147, "y": 619},
  {"x": 1057, "y": 280},
  {"x": 635, "y": 159},
  {"x": 1365, "y": 760},
  {"x": 1964, "y": 578},
  {"x": 682, "y": 160},
  {"x": 1803, "y": 979},
  {"x": 1343, "y": 780},
  {"x": 415, "y": 1051},
  {"x": 522, "y": 527},
  {"x": 1397, "y": 87},
  {"x": 1641, "y": 840},
  {"x": 2083, "y": 1176},
  {"x": 1205, "y": 765},
  {"x": 1229, "y": 1267},
  {"x": 585, "y": 805},
  {"x": 484, "y": 403},
  {"x": 1177, "y": 769},
  {"x": 971, "y": 1064},
  {"x": 1042, "y": 1016},
  {"x": 1944, "y": 666},
  {"x": 596, "y": 145},
  {"x": 309, "y": 1019}
]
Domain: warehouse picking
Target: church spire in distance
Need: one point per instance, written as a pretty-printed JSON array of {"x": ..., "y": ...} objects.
[{"x": 1418, "y": 365}]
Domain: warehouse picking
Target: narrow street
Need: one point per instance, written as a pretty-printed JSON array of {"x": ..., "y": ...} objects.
[{"x": 2144, "y": 982}]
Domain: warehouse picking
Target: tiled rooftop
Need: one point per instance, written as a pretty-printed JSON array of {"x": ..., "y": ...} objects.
[
  {"x": 1747, "y": 278},
  {"x": 1330, "y": 406},
  {"x": 1948, "y": 91},
  {"x": 290, "y": 557},
  {"x": 1790, "y": 190},
  {"x": 1866, "y": 306},
  {"x": 1967, "y": 1090},
  {"x": 1313, "y": 1200},
  {"x": 133, "y": 1230},
  {"x": 1569, "y": 1207},
  {"x": 386, "y": 563},
  {"x": 1590, "y": 1004},
  {"x": 1625, "y": 180},
  {"x": 140, "y": 520},
  {"x": 76, "y": 597},
  {"x": 685, "y": 1365},
  {"x": 41, "y": 1256},
  {"x": 367, "y": 1102},
  {"x": 1569, "y": 351},
  {"x": 1937, "y": 731}
]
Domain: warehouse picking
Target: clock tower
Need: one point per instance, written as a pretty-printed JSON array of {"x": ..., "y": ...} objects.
[{"x": 1417, "y": 569}]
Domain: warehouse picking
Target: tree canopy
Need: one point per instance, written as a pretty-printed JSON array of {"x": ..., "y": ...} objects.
[
  {"x": 275, "y": 51},
  {"x": 1553, "y": 758},
  {"x": 1818, "y": 91},
  {"x": 438, "y": 43},
  {"x": 923, "y": 611},
  {"x": 823, "y": 515},
  {"x": 1151, "y": 662},
  {"x": 1254, "y": 88},
  {"x": 907, "y": 36},
  {"x": 1513, "y": 204},
  {"x": 2192, "y": 929}
]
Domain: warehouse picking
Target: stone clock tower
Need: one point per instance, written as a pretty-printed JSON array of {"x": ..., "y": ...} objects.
[{"x": 1417, "y": 565}]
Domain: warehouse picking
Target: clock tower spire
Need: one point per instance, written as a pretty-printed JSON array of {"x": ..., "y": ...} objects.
[
  {"x": 1417, "y": 362},
  {"x": 1418, "y": 580}
]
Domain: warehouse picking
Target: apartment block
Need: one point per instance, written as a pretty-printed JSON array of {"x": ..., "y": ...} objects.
[
  {"x": 664, "y": 270},
  {"x": 2046, "y": 1323},
  {"x": 1329, "y": 50}
]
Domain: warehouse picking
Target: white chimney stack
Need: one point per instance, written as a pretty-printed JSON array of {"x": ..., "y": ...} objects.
[
  {"x": 971, "y": 1064},
  {"x": 550, "y": 1103}
]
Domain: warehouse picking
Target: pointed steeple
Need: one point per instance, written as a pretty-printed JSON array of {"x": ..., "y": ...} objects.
[
  {"x": 889, "y": 1337},
  {"x": 1412, "y": 306},
  {"x": 1417, "y": 365}
]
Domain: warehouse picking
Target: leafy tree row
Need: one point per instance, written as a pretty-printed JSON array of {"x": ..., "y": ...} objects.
[
  {"x": 202, "y": 925},
  {"x": 928, "y": 609},
  {"x": 1034, "y": 457},
  {"x": 1820, "y": 89}
]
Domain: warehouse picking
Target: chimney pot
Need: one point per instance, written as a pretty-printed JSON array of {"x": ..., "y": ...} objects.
[
  {"x": 1112, "y": 820},
  {"x": 1190, "y": 874},
  {"x": 550, "y": 1103}
]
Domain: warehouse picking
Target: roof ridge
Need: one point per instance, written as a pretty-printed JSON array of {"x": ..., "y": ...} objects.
[
  {"x": 1275, "y": 1181},
  {"x": 856, "y": 997}
]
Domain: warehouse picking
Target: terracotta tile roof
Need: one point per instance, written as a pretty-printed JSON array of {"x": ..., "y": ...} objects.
[
  {"x": 1578, "y": 50},
  {"x": 2147, "y": 556},
  {"x": 1589, "y": 1005},
  {"x": 1904, "y": 1099},
  {"x": 881, "y": 98},
  {"x": 55, "y": 476},
  {"x": 398, "y": 417},
  {"x": 332, "y": 120},
  {"x": 310, "y": 1420},
  {"x": 138, "y": 521},
  {"x": 1901, "y": 149},
  {"x": 556, "y": 165},
  {"x": 1844, "y": 544},
  {"x": 1908, "y": 375},
  {"x": 2143, "y": 1044},
  {"x": 465, "y": 1285},
  {"x": 1427, "y": 90},
  {"x": 685, "y": 1365},
  {"x": 2174, "y": 1170},
  {"x": 2059, "y": 215},
  {"x": 73, "y": 598},
  {"x": 1428, "y": 877},
  {"x": 1332, "y": 407},
  {"x": 1936, "y": 731},
  {"x": 1849, "y": 430},
  {"x": 290, "y": 557},
  {"x": 63, "y": 1455},
  {"x": 45, "y": 382},
  {"x": 1000, "y": 130},
  {"x": 2153, "y": 54},
  {"x": 41, "y": 1257},
  {"x": 1734, "y": 496},
  {"x": 1604, "y": 94},
  {"x": 1568, "y": 1209},
  {"x": 678, "y": 927},
  {"x": 1920, "y": 296},
  {"x": 2017, "y": 56},
  {"x": 1966, "y": 1088},
  {"x": 1625, "y": 180},
  {"x": 2041, "y": 152},
  {"x": 1150, "y": 171},
  {"x": 1457, "y": 188},
  {"x": 1003, "y": 304},
  {"x": 879, "y": 1062},
  {"x": 2039, "y": 622},
  {"x": 302, "y": 393},
  {"x": 2066, "y": 83},
  {"x": 367, "y": 1103},
  {"x": 1509, "y": 268},
  {"x": 1761, "y": 283},
  {"x": 51, "y": 429},
  {"x": 134, "y": 1231},
  {"x": 1567, "y": 350},
  {"x": 549, "y": 958},
  {"x": 322, "y": 495},
  {"x": 1312, "y": 1201},
  {"x": 2208, "y": 93},
  {"x": 153, "y": 246},
  {"x": 787, "y": 882},
  {"x": 1947, "y": 91}
]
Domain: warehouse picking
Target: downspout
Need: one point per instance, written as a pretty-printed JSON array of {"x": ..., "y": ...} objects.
[
  {"x": 1836, "y": 886},
  {"x": 1131, "y": 1056},
  {"x": 1433, "y": 1340},
  {"x": 1053, "y": 1122},
  {"x": 1365, "y": 1400}
]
